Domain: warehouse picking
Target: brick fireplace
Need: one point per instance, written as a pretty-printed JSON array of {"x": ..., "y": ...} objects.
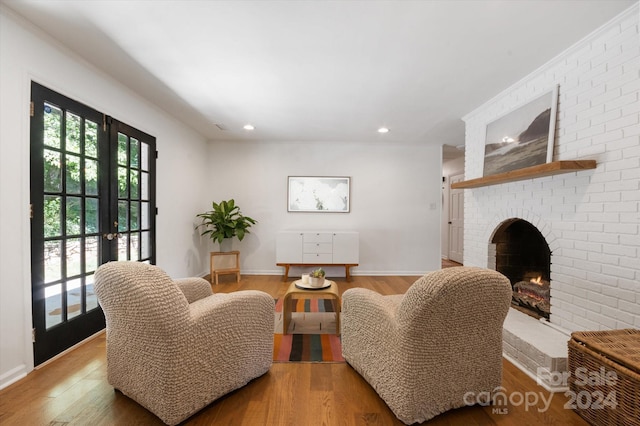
[{"x": 590, "y": 220}]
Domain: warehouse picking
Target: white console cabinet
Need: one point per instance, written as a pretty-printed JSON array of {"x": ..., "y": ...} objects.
[{"x": 304, "y": 248}]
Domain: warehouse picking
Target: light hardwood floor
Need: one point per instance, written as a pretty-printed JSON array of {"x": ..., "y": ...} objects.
[{"x": 73, "y": 389}]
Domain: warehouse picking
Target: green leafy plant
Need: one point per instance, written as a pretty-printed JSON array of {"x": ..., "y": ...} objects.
[
  {"x": 225, "y": 221},
  {"x": 317, "y": 273}
]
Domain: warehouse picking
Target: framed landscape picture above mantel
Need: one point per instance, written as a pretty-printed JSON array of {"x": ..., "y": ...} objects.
[
  {"x": 318, "y": 194},
  {"x": 523, "y": 137}
]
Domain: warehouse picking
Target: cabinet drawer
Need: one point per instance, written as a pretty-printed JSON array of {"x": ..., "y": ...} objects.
[
  {"x": 317, "y": 248},
  {"x": 317, "y": 237},
  {"x": 317, "y": 258}
]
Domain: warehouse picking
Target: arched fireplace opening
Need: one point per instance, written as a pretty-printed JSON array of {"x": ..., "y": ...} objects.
[{"x": 523, "y": 256}]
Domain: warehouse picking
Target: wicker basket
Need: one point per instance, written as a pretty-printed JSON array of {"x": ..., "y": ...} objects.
[{"x": 605, "y": 376}]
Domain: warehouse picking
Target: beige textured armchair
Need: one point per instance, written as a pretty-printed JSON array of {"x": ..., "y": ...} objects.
[
  {"x": 424, "y": 351},
  {"x": 173, "y": 346}
]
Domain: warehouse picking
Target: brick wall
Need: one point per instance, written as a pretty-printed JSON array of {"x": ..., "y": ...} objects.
[{"x": 590, "y": 219}]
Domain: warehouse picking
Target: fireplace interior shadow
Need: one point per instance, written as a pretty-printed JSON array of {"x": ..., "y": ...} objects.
[{"x": 523, "y": 256}]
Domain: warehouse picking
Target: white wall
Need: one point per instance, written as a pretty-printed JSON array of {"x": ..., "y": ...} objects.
[
  {"x": 590, "y": 219},
  {"x": 182, "y": 167},
  {"x": 395, "y": 199}
]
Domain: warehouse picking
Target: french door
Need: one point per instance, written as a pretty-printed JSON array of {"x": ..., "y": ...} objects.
[{"x": 92, "y": 201}]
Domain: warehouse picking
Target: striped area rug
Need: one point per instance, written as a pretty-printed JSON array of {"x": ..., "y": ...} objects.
[
  {"x": 308, "y": 305},
  {"x": 312, "y": 337}
]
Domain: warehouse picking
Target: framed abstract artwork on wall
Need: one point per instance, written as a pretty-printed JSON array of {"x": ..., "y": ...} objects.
[{"x": 318, "y": 194}]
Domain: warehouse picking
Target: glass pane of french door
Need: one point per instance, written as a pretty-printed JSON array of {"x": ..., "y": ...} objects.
[
  {"x": 135, "y": 193},
  {"x": 70, "y": 214}
]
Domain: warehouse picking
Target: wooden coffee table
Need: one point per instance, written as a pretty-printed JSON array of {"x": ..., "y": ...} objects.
[{"x": 294, "y": 292}]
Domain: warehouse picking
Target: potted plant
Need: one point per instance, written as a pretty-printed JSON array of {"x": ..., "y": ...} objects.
[
  {"x": 316, "y": 277},
  {"x": 225, "y": 221}
]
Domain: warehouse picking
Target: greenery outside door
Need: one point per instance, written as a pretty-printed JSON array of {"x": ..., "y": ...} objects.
[{"x": 91, "y": 202}]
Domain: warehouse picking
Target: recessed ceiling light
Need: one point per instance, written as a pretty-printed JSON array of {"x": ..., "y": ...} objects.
[
  {"x": 248, "y": 127},
  {"x": 383, "y": 130}
]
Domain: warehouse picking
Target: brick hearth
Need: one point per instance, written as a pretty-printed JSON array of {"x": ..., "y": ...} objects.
[{"x": 536, "y": 348}]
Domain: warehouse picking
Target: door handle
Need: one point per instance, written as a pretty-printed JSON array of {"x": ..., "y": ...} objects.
[{"x": 111, "y": 235}]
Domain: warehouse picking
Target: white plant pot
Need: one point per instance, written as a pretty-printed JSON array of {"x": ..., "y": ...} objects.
[
  {"x": 226, "y": 245},
  {"x": 316, "y": 282}
]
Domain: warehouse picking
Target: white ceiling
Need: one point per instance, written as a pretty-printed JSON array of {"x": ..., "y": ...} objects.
[{"x": 320, "y": 70}]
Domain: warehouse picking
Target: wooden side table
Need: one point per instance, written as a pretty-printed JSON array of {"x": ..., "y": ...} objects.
[
  {"x": 225, "y": 262},
  {"x": 294, "y": 292}
]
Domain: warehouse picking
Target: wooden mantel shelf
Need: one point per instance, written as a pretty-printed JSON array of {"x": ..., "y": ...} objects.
[{"x": 548, "y": 169}]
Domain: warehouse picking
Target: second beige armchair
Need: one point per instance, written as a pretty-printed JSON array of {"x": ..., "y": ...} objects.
[{"x": 437, "y": 347}]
